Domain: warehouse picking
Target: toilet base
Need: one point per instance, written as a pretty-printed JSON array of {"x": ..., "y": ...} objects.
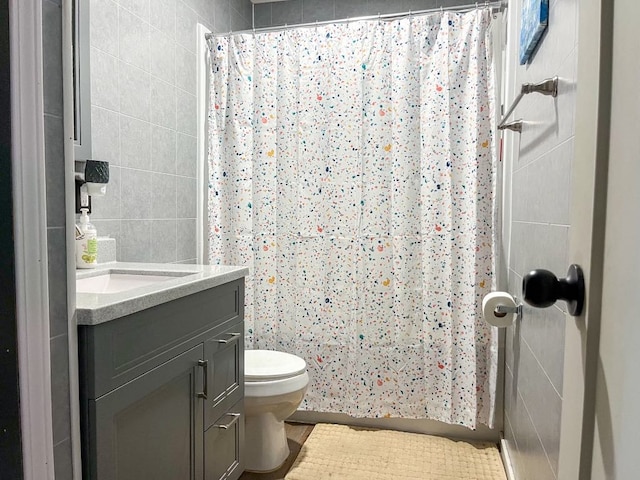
[{"x": 266, "y": 447}]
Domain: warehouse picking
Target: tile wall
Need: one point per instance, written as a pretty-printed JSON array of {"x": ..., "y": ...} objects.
[
  {"x": 540, "y": 174},
  {"x": 56, "y": 235},
  {"x": 306, "y": 11},
  {"x": 147, "y": 135},
  {"x": 144, "y": 119}
]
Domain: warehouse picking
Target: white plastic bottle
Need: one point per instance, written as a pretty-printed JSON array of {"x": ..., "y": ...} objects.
[{"x": 86, "y": 242}]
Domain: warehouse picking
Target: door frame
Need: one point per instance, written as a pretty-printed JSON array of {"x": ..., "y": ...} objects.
[
  {"x": 10, "y": 447},
  {"x": 587, "y": 233},
  {"x": 30, "y": 237}
]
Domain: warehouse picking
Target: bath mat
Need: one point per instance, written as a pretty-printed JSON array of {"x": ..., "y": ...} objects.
[{"x": 342, "y": 452}]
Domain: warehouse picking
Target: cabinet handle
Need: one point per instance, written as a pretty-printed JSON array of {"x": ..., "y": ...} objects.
[
  {"x": 205, "y": 367},
  {"x": 232, "y": 337},
  {"x": 230, "y": 423}
]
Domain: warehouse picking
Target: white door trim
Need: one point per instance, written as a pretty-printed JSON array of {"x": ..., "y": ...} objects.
[
  {"x": 202, "y": 234},
  {"x": 30, "y": 230}
]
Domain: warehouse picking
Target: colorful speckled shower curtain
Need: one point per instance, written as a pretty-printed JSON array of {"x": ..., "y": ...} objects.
[{"x": 351, "y": 168}]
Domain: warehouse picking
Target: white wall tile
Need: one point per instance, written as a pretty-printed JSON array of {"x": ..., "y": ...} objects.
[
  {"x": 186, "y": 155},
  {"x": 133, "y": 40},
  {"x": 136, "y": 191},
  {"x": 104, "y": 26},
  {"x": 187, "y": 113},
  {"x": 105, "y": 143},
  {"x": 186, "y": 21},
  {"x": 162, "y": 16},
  {"x": 135, "y": 143},
  {"x": 104, "y": 80},
  {"x": 163, "y": 241},
  {"x": 162, "y": 61},
  {"x": 163, "y": 103},
  {"x": 163, "y": 150},
  {"x": 135, "y": 90},
  {"x": 135, "y": 241},
  {"x": 186, "y": 70},
  {"x": 139, "y": 7},
  {"x": 163, "y": 196}
]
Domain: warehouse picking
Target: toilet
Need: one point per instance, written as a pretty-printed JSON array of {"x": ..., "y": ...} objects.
[{"x": 274, "y": 386}]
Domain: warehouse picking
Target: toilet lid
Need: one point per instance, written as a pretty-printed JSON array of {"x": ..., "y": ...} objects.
[{"x": 263, "y": 365}]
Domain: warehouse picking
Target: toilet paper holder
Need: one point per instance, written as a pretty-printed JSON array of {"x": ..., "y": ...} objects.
[{"x": 503, "y": 310}]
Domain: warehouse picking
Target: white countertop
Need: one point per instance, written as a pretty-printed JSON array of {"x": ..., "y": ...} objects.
[{"x": 96, "y": 308}]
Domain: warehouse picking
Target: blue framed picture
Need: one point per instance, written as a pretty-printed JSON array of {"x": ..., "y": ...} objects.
[{"x": 535, "y": 19}]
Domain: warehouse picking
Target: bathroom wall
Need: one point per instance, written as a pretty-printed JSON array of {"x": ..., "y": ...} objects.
[
  {"x": 56, "y": 231},
  {"x": 177, "y": 20},
  {"x": 537, "y": 221},
  {"x": 144, "y": 119},
  {"x": 305, "y": 11}
]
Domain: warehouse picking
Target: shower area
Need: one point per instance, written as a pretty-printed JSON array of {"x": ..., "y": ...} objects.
[{"x": 352, "y": 166}]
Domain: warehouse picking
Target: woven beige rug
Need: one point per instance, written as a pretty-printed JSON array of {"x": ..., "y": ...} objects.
[{"x": 343, "y": 452}]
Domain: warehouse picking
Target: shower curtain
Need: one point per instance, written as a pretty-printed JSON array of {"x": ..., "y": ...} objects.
[{"x": 351, "y": 168}]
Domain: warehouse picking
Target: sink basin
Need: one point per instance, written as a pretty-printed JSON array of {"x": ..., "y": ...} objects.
[{"x": 111, "y": 282}]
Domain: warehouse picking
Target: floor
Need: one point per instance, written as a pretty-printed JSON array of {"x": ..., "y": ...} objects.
[{"x": 297, "y": 434}]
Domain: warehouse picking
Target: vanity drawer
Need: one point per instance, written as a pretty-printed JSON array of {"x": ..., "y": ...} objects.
[
  {"x": 224, "y": 352},
  {"x": 223, "y": 446},
  {"x": 120, "y": 350}
]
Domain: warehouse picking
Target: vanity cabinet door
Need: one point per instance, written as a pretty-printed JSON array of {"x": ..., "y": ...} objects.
[
  {"x": 151, "y": 427},
  {"x": 224, "y": 353}
]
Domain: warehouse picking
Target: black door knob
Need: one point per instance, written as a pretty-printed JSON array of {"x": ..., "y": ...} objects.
[{"x": 541, "y": 288}]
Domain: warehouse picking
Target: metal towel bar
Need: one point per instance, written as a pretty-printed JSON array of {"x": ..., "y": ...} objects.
[{"x": 546, "y": 87}]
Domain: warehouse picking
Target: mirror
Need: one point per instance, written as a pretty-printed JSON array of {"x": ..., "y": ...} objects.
[{"x": 81, "y": 81}]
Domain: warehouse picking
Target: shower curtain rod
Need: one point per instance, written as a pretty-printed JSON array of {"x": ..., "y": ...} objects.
[{"x": 496, "y": 5}]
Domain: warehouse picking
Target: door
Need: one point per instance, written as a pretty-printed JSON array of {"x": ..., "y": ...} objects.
[
  {"x": 589, "y": 198},
  {"x": 151, "y": 427},
  {"x": 617, "y": 419}
]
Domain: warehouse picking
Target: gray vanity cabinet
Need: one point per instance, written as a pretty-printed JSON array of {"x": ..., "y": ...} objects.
[
  {"x": 162, "y": 390},
  {"x": 148, "y": 428}
]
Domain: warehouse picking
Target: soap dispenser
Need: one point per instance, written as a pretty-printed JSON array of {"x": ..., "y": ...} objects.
[{"x": 86, "y": 242}]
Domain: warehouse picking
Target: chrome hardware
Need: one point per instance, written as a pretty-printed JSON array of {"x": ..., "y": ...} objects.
[
  {"x": 503, "y": 310},
  {"x": 229, "y": 424},
  {"x": 205, "y": 368},
  {"x": 232, "y": 338},
  {"x": 548, "y": 86},
  {"x": 515, "y": 126}
]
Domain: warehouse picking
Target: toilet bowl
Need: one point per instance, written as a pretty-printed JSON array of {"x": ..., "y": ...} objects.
[{"x": 274, "y": 386}]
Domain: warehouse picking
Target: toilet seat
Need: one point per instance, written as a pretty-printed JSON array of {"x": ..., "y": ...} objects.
[
  {"x": 268, "y": 373},
  {"x": 269, "y": 365}
]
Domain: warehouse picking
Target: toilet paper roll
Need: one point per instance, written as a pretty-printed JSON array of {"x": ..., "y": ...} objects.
[{"x": 489, "y": 304}]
